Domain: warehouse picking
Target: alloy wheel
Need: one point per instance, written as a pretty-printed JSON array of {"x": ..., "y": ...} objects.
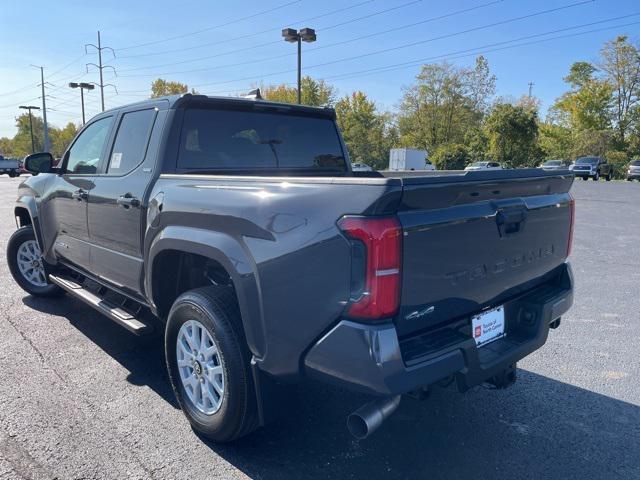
[{"x": 200, "y": 366}]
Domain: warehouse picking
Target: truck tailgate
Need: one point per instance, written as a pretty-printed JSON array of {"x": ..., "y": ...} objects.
[{"x": 471, "y": 241}]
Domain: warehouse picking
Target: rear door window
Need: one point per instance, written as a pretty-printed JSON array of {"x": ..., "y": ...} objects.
[
  {"x": 237, "y": 141},
  {"x": 131, "y": 141}
]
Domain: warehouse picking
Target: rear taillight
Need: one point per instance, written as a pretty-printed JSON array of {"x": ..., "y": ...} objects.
[
  {"x": 376, "y": 294},
  {"x": 572, "y": 215}
]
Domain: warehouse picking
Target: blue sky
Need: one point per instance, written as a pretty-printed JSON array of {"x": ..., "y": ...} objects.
[{"x": 224, "y": 47}]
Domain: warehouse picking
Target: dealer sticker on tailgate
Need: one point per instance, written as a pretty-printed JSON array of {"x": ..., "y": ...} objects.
[{"x": 488, "y": 326}]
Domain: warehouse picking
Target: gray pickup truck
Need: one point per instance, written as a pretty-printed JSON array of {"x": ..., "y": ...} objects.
[{"x": 237, "y": 229}]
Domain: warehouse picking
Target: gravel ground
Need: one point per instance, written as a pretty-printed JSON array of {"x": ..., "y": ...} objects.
[{"x": 82, "y": 398}]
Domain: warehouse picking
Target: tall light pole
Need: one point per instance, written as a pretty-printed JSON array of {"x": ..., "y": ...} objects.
[
  {"x": 31, "y": 107},
  {"x": 82, "y": 86},
  {"x": 293, "y": 36}
]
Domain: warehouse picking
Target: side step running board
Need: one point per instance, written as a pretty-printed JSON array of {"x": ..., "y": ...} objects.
[{"x": 105, "y": 307}]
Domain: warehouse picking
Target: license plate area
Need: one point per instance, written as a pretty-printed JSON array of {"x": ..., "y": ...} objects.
[{"x": 488, "y": 326}]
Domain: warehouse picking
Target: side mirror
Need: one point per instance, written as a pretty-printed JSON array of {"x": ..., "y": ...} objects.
[{"x": 39, "y": 163}]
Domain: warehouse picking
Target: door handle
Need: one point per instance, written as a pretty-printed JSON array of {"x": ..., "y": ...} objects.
[
  {"x": 127, "y": 200},
  {"x": 80, "y": 194}
]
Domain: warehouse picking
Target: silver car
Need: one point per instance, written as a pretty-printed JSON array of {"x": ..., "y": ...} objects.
[
  {"x": 484, "y": 166},
  {"x": 554, "y": 165},
  {"x": 633, "y": 172}
]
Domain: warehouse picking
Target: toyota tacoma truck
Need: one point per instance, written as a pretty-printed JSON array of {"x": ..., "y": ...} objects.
[{"x": 237, "y": 230}]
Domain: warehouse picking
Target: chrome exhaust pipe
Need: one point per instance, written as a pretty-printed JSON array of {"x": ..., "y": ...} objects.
[{"x": 366, "y": 420}]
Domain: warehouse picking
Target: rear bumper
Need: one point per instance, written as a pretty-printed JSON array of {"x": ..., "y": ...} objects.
[{"x": 371, "y": 358}]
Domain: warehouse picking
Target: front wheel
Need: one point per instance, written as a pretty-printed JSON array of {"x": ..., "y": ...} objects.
[
  {"x": 209, "y": 364},
  {"x": 27, "y": 265},
  {"x": 12, "y": 174},
  {"x": 596, "y": 177}
]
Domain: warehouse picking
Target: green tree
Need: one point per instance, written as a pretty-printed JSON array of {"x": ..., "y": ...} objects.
[
  {"x": 580, "y": 73},
  {"x": 365, "y": 130},
  {"x": 6, "y": 147},
  {"x": 61, "y": 138},
  {"x": 512, "y": 132},
  {"x": 162, "y": 88},
  {"x": 444, "y": 104},
  {"x": 316, "y": 93},
  {"x": 620, "y": 62},
  {"x": 21, "y": 142},
  {"x": 452, "y": 156},
  {"x": 618, "y": 161},
  {"x": 592, "y": 142},
  {"x": 555, "y": 141},
  {"x": 587, "y": 108}
]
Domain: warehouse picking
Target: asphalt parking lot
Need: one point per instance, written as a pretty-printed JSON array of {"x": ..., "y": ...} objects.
[{"x": 82, "y": 398}]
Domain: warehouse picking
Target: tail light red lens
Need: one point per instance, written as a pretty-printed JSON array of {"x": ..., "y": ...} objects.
[
  {"x": 381, "y": 237},
  {"x": 572, "y": 214}
]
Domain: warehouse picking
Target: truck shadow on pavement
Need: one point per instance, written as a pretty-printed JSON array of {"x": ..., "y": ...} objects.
[{"x": 539, "y": 428}]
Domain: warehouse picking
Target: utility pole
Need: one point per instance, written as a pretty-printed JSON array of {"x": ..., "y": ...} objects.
[
  {"x": 44, "y": 110},
  {"x": 531, "y": 84},
  {"x": 100, "y": 66},
  {"x": 30, "y": 107}
]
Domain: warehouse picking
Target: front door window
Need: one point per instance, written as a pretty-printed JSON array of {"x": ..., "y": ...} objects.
[{"x": 85, "y": 155}]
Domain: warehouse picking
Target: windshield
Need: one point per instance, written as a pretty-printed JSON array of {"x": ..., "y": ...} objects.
[
  {"x": 587, "y": 161},
  {"x": 224, "y": 140},
  {"x": 553, "y": 163},
  {"x": 479, "y": 164},
  {"x": 635, "y": 163}
]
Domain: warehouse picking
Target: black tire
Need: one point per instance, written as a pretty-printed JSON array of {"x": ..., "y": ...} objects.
[
  {"x": 217, "y": 310},
  {"x": 585, "y": 178},
  {"x": 12, "y": 174},
  {"x": 596, "y": 177},
  {"x": 609, "y": 177},
  {"x": 20, "y": 236}
]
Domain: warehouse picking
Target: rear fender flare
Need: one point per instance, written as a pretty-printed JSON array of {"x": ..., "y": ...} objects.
[{"x": 233, "y": 256}]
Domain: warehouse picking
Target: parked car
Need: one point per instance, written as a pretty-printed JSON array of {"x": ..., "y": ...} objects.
[
  {"x": 592, "y": 167},
  {"x": 361, "y": 167},
  {"x": 9, "y": 166},
  {"x": 409, "y": 159},
  {"x": 633, "y": 171},
  {"x": 554, "y": 165},
  {"x": 237, "y": 229},
  {"x": 483, "y": 166}
]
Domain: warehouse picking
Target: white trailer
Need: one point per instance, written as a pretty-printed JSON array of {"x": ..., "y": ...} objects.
[{"x": 409, "y": 159}]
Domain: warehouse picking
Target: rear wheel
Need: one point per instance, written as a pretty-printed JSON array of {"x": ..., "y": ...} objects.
[
  {"x": 12, "y": 174},
  {"x": 27, "y": 265},
  {"x": 585, "y": 178},
  {"x": 209, "y": 364},
  {"x": 609, "y": 177}
]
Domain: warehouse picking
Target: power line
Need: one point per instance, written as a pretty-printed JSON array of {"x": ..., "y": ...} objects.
[
  {"x": 504, "y": 45},
  {"x": 254, "y": 34},
  {"x": 22, "y": 89},
  {"x": 398, "y": 47},
  {"x": 414, "y": 61},
  {"x": 428, "y": 20},
  {"x": 231, "y": 22}
]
